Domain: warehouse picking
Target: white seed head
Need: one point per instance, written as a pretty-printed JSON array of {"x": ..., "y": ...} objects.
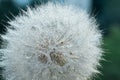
[{"x": 52, "y": 42}]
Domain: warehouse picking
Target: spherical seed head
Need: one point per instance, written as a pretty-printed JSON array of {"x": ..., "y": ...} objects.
[{"x": 52, "y": 42}]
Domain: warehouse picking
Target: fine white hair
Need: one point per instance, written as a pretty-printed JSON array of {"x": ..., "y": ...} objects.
[{"x": 52, "y": 42}]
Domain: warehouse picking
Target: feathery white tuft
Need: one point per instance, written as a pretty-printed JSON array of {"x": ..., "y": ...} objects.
[{"x": 52, "y": 42}]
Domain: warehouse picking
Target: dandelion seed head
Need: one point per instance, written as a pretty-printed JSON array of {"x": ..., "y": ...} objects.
[{"x": 52, "y": 42}]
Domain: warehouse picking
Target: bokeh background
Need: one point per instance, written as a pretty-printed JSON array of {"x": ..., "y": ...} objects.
[{"x": 107, "y": 13}]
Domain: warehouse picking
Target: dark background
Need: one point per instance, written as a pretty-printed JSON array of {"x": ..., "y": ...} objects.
[{"x": 107, "y": 13}]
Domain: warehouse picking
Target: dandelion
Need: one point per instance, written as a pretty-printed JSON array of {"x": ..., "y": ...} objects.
[{"x": 52, "y": 42}]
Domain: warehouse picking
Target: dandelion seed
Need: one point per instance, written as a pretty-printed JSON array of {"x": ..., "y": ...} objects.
[
  {"x": 43, "y": 58},
  {"x": 58, "y": 58}
]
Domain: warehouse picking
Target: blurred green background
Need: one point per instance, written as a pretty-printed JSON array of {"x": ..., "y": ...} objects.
[{"x": 107, "y": 13}]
